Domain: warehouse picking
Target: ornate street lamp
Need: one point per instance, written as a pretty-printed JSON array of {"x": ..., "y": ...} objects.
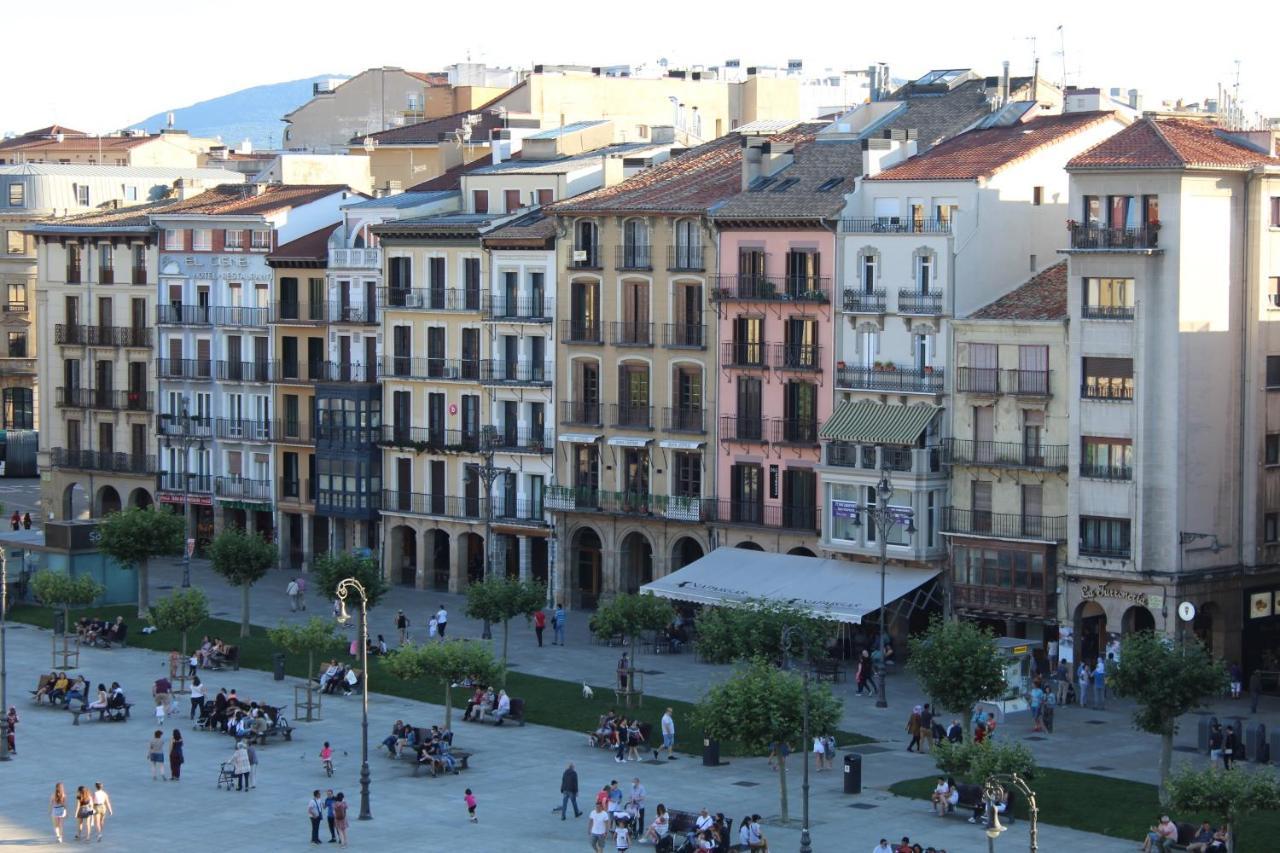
[
  {"x": 791, "y": 634},
  {"x": 345, "y": 587}
]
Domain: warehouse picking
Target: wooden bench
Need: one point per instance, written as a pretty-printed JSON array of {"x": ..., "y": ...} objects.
[
  {"x": 343, "y": 686},
  {"x": 38, "y": 693},
  {"x": 279, "y": 725},
  {"x": 230, "y": 659},
  {"x": 516, "y": 714},
  {"x": 435, "y": 764},
  {"x": 971, "y": 798},
  {"x": 681, "y": 823},
  {"x": 118, "y": 714}
]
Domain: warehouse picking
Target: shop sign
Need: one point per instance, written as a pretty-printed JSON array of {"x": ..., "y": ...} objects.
[
  {"x": 247, "y": 506},
  {"x": 1105, "y": 590},
  {"x": 179, "y": 500},
  {"x": 844, "y": 509}
]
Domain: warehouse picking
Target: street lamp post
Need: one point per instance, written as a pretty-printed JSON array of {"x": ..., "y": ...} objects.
[
  {"x": 487, "y": 472},
  {"x": 994, "y": 791},
  {"x": 790, "y": 634},
  {"x": 186, "y": 442},
  {"x": 884, "y": 518},
  {"x": 4, "y": 674},
  {"x": 345, "y": 587}
]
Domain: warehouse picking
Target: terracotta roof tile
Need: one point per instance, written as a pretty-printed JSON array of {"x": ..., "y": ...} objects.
[
  {"x": 980, "y": 153},
  {"x": 531, "y": 227},
  {"x": 1171, "y": 143},
  {"x": 428, "y": 132},
  {"x": 793, "y": 193},
  {"x": 451, "y": 179},
  {"x": 308, "y": 247},
  {"x": 1043, "y": 297},
  {"x": 241, "y": 200}
]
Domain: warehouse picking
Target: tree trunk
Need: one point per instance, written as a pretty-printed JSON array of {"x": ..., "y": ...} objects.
[
  {"x": 144, "y": 599},
  {"x": 244, "y": 610},
  {"x": 506, "y": 635},
  {"x": 782, "y": 781},
  {"x": 448, "y": 706},
  {"x": 311, "y": 668},
  {"x": 1166, "y": 756},
  {"x": 1231, "y": 836}
]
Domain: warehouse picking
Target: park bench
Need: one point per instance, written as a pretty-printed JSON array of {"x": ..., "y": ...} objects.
[
  {"x": 279, "y": 725},
  {"x": 971, "y": 798},
  {"x": 118, "y": 714},
  {"x": 681, "y": 823},
  {"x": 516, "y": 715},
  {"x": 230, "y": 659},
  {"x": 603, "y": 742},
  {"x": 38, "y": 694},
  {"x": 436, "y": 766},
  {"x": 344, "y": 686}
]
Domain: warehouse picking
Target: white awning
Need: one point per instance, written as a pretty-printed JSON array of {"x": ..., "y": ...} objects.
[
  {"x": 681, "y": 444},
  {"x": 629, "y": 441},
  {"x": 838, "y": 590},
  {"x": 579, "y": 437}
]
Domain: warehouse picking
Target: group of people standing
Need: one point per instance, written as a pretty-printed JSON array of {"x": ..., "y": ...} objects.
[{"x": 91, "y": 809}]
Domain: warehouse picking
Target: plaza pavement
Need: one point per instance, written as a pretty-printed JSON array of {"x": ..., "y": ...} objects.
[{"x": 515, "y": 771}]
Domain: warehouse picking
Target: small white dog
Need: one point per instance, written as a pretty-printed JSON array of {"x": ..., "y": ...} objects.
[{"x": 587, "y": 692}]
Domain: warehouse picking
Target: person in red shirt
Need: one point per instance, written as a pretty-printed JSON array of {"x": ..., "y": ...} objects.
[{"x": 539, "y": 624}]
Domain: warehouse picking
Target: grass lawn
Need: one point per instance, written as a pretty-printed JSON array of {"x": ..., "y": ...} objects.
[
  {"x": 1115, "y": 807},
  {"x": 548, "y": 701}
]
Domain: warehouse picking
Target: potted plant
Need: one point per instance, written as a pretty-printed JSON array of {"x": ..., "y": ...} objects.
[{"x": 840, "y": 365}]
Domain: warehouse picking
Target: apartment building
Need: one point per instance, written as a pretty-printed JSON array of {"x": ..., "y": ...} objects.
[
  {"x": 170, "y": 148},
  {"x": 775, "y": 318},
  {"x": 1006, "y": 521},
  {"x": 217, "y": 363},
  {"x": 1172, "y": 242},
  {"x": 934, "y": 237},
  {"x": 95, "y": 288},
  {"x": 32, "y": 193}
]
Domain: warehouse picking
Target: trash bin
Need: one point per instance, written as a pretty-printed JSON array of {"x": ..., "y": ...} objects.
[
  {"x": 277, "y": 664},
  {"x": 710, "y": 752},
  {"x": 1256, "y": 743},
  {"x": 852, "y": 773}
]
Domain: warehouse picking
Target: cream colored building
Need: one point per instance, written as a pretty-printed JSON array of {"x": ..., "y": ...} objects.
[{"x": 173, "y": 149}]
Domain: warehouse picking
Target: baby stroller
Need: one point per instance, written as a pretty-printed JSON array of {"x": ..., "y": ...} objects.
[{"x": 227, "y": 775}]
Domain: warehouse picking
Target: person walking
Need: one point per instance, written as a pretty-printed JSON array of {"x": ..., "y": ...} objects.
[
  {"x": 926, "y": 732},
  {"x": 253, "y": 765},
  {"x": 1255, "y": 690},
  {"x": 155, "y": 754},
  {"x": 26, "y": 521},
  {"x": 198, "y": 692},
  {"x": 1047, "y": 710},
  {"x": 16, "y": 521},
  {"x": 240, "y": 766},
  {"x": 58, "y": 809},
  {"x": 1237, "y": 677},
  {"x": 315, "y": 811},
  {"x": 84, "y": 813},
  {"x": 569, "y": 790},
  {"x": 1061, "y": 681},
  {"x": 402, "y": 626},
  {"x": 175, "y": 756},
  {"x": 328, "y": 816},
  {"x": 1036, "y": 701},
  {"x": 1082, "y": 684},
  {"x": 442, "y": 621},
  {"x": 340, "y": 817},
  {"x": 539, "y": 624},
  {"x": 668, "y": 734},
  {"x": 597, "y": 826},
  {"x": 557, "y": 624},
  {"x": 1230, "y": 745},
  {"x": 635, "y": 803},
  {"x": 101, "y": 808},
  {"x": 470, "y": 799},
  {"x": 302, "y": 592},
  {"x": 1100, "y": 686},
  {"x": 913, "y": 729},
  {"x": 292, "y": 591}
]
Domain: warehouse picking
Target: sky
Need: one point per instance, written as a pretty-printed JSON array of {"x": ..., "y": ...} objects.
[{"x": 99, "y": 68}]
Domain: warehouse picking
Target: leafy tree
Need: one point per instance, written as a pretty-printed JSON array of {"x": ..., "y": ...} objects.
[
  {"x": 958, "y": 665},
  {"x": 629, "y": 616},
  {"x": 181, "y": 611},
  {"x": 1167, "y": 679},
  {"x": 498, "y": 598},
  {"x": 754, "y": 629},
  {"x": 1228, "y": 795},
  {"x": 134, "y": 536},
  {"x": 449, "y": 662},
  {"x": 761, "y": 705},
  {"x": 62, "y": 592},
  {"x": 314, "y": 635},
  {"x": 977, "y": 761},
  {"x": 333, "y": 568},
  {"x": 243, "y": 559}
]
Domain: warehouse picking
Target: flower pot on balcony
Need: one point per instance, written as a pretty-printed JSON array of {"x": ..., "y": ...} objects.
[
  {"x": 928, "y": 371},
  {"x": 840, "y": 365}
]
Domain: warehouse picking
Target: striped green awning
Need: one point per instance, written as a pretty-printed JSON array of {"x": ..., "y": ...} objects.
[{"x": 868, "y": 422}]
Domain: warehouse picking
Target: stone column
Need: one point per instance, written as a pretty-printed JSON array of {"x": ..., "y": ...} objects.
[{"x": 526, "y": 557}]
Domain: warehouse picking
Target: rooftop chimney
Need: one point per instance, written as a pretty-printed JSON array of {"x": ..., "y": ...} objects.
[
  {"x": 1004, "y": 85},
  {"x": 751, "y": 159}
]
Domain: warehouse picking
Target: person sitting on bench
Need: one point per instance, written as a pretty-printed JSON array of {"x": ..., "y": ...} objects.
[
  {"x": 59, "y": 690},
  {"x": 45, "y": 690},
  {"x": 982, "y": 811},
  {"x": 79, "y": 691},
  {"x": 481, "y": 700},
  {"x": 503, "y": 709},
  {"x": 100, "y": 704}
]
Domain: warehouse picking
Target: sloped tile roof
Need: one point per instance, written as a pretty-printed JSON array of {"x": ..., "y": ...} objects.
[
  {"x": 308, "y": 247},
  {"x": 532, "y": 227},
  {"x": 133, "y": 216},
  {"x": 980, "y": 153},
  {"x": 816, "y": 164},
  {"x": 451, "y": 180},
  {"x": 428, "y": 132},
  {"x": 1171, "y": 143},
  {"x": 242, "y": 200},
  {"x": 1042, "y": 297},
  {"x": 938, "y": 116},
  {"x": 691, "y": 182}
]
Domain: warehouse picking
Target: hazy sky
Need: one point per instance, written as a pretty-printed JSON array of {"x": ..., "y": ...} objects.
[{"x": 98, "y": 68}]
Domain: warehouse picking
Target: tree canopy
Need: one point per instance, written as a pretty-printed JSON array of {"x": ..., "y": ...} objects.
[
  {"x": 977, "y": 761},
  {"x": 332, "y": 568},
  {"x": 314, "y": 635},
  {"x": 499, "y": 598},
  {"x": 754, "y": 629},
  {"x": 449, "y": 662},
  {"x": 1228, "y": 795},
  {"x": 132, "y": 537},
  {"x": 181, "y": 610},
  {"x": 1166, "y": 678},
  {"x": 61, "y": 591},
  {"x": 242, "y": 559},
  {"x": 958, "y": 665}
]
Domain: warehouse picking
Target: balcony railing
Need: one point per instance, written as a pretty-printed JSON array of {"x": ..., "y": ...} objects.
[
  {"x": 360, "y": 313},
  {"x": 501, "y": 372},
  {"x": 1107, "y": 388},
  {"x": 759, "y": 514},
  {"x": 184, "y": 368},
  {"x": 300, "y": 312},
  {"x": 519, "y": 440},
  {"x": 106, "y": 275},
  {"x": 339, "y": 436},
  {"x": 870, "y": 457},
  {"x": 99, "y": 460},
  {"x": 894, "y": 225},
  {"x": 240, "y": 315},
  {"x": 433, "y": 298},
  {"x": 864, "y": 301},
  {"x": 1007, "y": 454},
  {"x": 104, "y": 399},
  {"x": 444, "y": 506},
  {"x": 671, "y": 507},
  {"x": 171, "y": 481},
  {"x": 139, "y": 275},
  {"x": 1089, "y": 236},
  {"x": 1108, "y": 312},
  {"x": 991, "y": 380},
  {"x": 288, "y": 431},
  {"x": 431, "y": 438},
  {"x": 519, "y": 309},
  {"x": 242, "y": 429},
  {"x": 1113, "y": 552},
  {"x": 747, "y": 430},
  {"x": 978, "y": 380},
  {"x": 891, "y": 377},
  {"x": 342, "y": 371},
  {"x": 368, "y": 259},
  {"x": 791, "y": 356},
  {"x": 176, "y": 426},
  {"x": 580, "y": 412},
  {"x": 296, "y": 490},
  {"x": 102, "y": 336},
  {"x": 513, "y": 510},
  {"x": 747, "y": 355},
  {"x": 686, "y": 258},
  {"x": 773, "y": 288},
  {"x": 633, "y": 258},
  {"x": 242, "y": 488},
  {"x": 16, "y": 306},
  {"x": 1005, "y": 525},
  {"x": 919, "y": 303},
  {"x": 440, "y": 369},
  {"x": 1106, "y": 472},
  {"x": 1027, "y": 383},
  {"x": 577, "y": 332},
  {"x": 684, "y": 335},
  {"x": 684, "y": 419},
  {"x": 629, "y": 333},
  {"x": 175, "y": 314},
  {"x": 244, "y": 371},
  {"x": 1024, "y": 602},
  {"x": 585, "y": 256},
  {"x": 800, "y": 432},
  {"x": 630, "y": 416}
]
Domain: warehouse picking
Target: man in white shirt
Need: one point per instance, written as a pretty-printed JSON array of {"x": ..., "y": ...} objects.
[
  {"x": 635, "y": 804},
  {"x": 442, "y": 619},
  {"x": 292, "y": 591},
  {"x": 883, "y": 847},
  {"x": 668, "y": 735},
  {"x": 315, "y": 811},
  {"x": 597, "y": 826}
]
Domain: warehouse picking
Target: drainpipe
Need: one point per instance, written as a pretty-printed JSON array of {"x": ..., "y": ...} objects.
[{"x": 1246, "y": 312}]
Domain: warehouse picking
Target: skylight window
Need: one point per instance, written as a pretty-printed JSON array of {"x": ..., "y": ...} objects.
[
  {"x": 830, "y": 184},
  {"x": 760, "y": 183},
  {"x": 940, "y": 76},
  {"x": 785, "y": 185}
]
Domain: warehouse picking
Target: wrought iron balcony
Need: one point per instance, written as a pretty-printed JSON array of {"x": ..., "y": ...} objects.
[
  {"x": 800, "y": 432},
  {"x": 1003, "y": 525},
  {"x": 519, "y": 309},
  {"x": 443, "y": 506},
  {"x": 175, "y": 314},
  {"x": 585, "y": 256},
  {"x": 773, "y": 288},
  {"x": 100, "y": 460},
  {"x": 1027, "y": 383},
  {"x": 200, "y": 369},
  {"x": 894, "y": 225},
  {"x": 919, "y": 303},
  {"x": 633, "y": 257},
  {"x": 300, "y": 312},
  {"x": 176, "y": 426},
  {"x": 760, "y": 514},
  {"x": 102, "y": 336},
  {"x": 628, "y": 416},
  {"x": 1102, "y": 238},
  {"x": 978, "y": 380},
  {"x": 864, "y": 301},
  {"x": 792, "y": 356},
  {"x": 686, "y": 258},
  {"x": 1007, "y": 454},
  {"x": 745, "y": 430},
  {"x": 431, "y": 439},
  {"x": 104, "y": 399},
  {"x": 432, "y": 299},
  {"x": 671, "y": 507},
  {"x": 171, "y": 481},
  {"x": 502, "y": 372},
  {"x": 891, "y": 377},
  {"x": 684, "y": 419},
  {"x": 1107, "y": 312},
  {"x": 437, "y": 369},
  {"x": 684, "y": 335},
  {"x": 746, "y": 355},
  {"x": 870, "y": 457},
  {"x": 242, "y": 429},
  {"x": 510, "y": 439},
  {"x": 244, "y": 371},
  {"x": 629, "y": 333},
  {"x": 240, "y": 315},
  {"x": 1096, "y": 471},
  {"x": 580, "y": 412},
  {"x": 577, "y": 332},
  {"x": 242, "y": 488}
]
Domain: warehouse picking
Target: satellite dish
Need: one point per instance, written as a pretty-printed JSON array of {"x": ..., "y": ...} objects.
[{"x": 1186, "y": 611}]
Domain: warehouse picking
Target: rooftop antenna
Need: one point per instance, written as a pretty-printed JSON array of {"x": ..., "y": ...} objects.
[{"x": 1062, "y": 52}]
